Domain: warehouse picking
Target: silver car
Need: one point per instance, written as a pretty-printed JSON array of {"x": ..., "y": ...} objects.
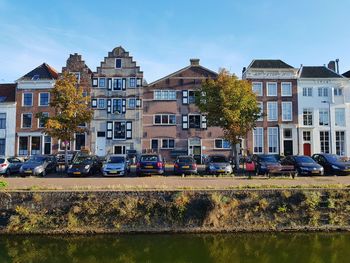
[
  {"x": 218, "y": 164},
  {"x": 115, "y": 165}
]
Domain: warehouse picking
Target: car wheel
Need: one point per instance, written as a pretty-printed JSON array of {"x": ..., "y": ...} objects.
[
  {"x": 43, "y": 174},
  {"x": 8, "y": 172}
]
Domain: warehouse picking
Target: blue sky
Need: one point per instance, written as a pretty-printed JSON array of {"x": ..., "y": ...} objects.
[{"x": 163, "y": 35}]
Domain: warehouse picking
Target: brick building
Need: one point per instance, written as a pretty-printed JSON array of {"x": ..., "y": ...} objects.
[
  {"x": 172, "y": 124},
  {"x": 32, "y": 97},
  {"x": 275, "y": 84},
  {"x": 116, "y": 100}
]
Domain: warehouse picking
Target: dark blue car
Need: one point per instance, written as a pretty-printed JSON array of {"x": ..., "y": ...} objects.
[
  {"x": 332, "y": 164},
  {"x": 185, "y": 165},
  {"x": 149, "y": 164}
]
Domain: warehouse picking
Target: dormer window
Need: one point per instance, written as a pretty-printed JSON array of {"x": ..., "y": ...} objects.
[
  {"x": 118, "y": 63},
  {"x": 36, "y": 77}
]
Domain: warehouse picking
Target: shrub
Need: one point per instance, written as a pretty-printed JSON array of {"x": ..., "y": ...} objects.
[{"x": 3, "y": 184}]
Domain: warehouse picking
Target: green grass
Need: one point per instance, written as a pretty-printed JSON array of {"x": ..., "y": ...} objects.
[{"x": 3, "y": 184}]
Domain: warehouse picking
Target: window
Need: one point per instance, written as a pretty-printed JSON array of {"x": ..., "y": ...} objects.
[
  {"x": 165, "y": 119},
  {"x": 23, "y": 146},
  {"x": 307, "y": 92},
  {"x": 154, "y": 144},
  {"x": 77, "y": 76},
  {"x": 119, "y": 130},
  {"x": 47, "y": 145},
  {"x": 287, "y": 113},
  {"x": 340, "y": 143},
  {"x": 307, "y": 117},
  {"x": 101, "y": 103},
  {"x": 271, "y": 89},
  {"x": 272, "y": 112},
  {"x": 191, "y": 96},
  {"x": 168, "y": 143},
  {"x": 286, "y": 89},
  {"x": 338, "y": 91},
  {"x": 101, "y": 82},
  {"x": 117, "y": 106},
  {"x": 36, "y": 77},
  {"x": 323, "y": 92},
  {"x": 258, "y": 140},
  {"x": 2, "y": 146},
  {"x": 261, "y": 106},
  {"x": 257, "y": 88},
  {"x": 26, "y": 120},
  {"x": 27, "y": 99},
  {"x": 44, "y": 99},
  {"x": 324, "y": 141},
  {"x": 117, "y": 84},
  {"x": 79, "y": 141},
  {"x": 119, "y": 149},
  {"x": 222, "y": 144},
  {"x": 339, "y": 117},
  {"x": 43, "y": 119},
  {"x": 307, "y": 136},
  {"x": 164, "y": 95},
  {"x": 118, "y": 63},
  {"x": 287, "y": 133},
  {"x": 36, "y": 145},
  {"x": 194, "y": 121},
  {"x": 273, "y": 139},
  {"x": 132, "y": 82},
  {"x": 2, "y": 120},
  {"x": 323, "y": 117},
  {"x": 131, "y": 103}
]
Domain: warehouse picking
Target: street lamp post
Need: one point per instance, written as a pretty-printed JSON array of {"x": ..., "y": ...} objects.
[{"x": 330, "y": 125}]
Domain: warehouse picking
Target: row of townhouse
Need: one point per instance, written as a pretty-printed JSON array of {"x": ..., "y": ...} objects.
[{"x": 304, "y": 110}]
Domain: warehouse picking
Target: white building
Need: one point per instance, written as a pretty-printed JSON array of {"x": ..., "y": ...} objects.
[
  {"x": 324, "y": 107},
  {"x": 7, "y": 119}
]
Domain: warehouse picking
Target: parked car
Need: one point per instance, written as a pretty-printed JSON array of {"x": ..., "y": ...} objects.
[
  {"x": 70, "y": 157},
  {"x": 83, "y": 165},
  {"x": 10, "y": 165},
  {"x": 116, "y": 165},
  {"x": 269, "y": 164},
  {"x": 39, "y": 165},
  {"x": 218, "y": 164},
  {"x": 185, "y": 164},
  {"x": 304, "y": 165},
  {"x": 150, "y": 164},
  {"x": 332, "y": 164}
]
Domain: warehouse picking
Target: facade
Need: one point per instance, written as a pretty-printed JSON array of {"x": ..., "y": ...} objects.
[
  {"x": 275, "y": 84},
  {"x": 32, "y": 97},
  {"x": 116, "y": 99},
  {"x": 77, "y": 66},
  {"x": 7, "y": 117},
  {"x": 324, "y": 98},
  {"x": 172, "y": 124}
]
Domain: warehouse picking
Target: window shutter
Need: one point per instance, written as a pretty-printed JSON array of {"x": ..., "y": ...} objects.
[
  {"x": 109, "y": 84},
  {"x": 138, "y": 103},
  {"x": 184, "y": 122},
  {"x": 185, "y": 97},
  {"x": 124, "y": 84},
  {"x": 204, "y": 122},
  {"x": 94, "y": 82},
  {"x": 109, "y": 130},
  {"x": 139, "y": 82},
  {"x": 93, "y": 103},
  {"x": 123, "y": 106},
  {"x": 109, "y": 105},
  {"x": 128, "y": 130}
]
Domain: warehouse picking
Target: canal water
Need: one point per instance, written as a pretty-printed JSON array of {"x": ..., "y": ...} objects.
[{"x": 238, "y": 248}]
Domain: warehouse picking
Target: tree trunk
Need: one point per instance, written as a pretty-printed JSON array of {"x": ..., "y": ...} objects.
[
  {"x": 235, "y": 156},
  {"x": 65, "y": 157}
]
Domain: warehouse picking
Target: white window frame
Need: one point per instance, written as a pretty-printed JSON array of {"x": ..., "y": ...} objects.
[
  {"x": 307, "y": 91},
  {"x": 284, "y": 115},
  {"x": 283, "y": 93},
  {"x": 323, "y": 142},
  {"x": 269, "y": 94},
  {"x": 269, "y": 111},
  {"x": 31, "y": 105},
  {"x": 337, "y": 121},
  {"x": 261, "y": 88},
  {"x": 161, "y": 119},
  {"x": 338, "y": 92},
  {"x": 128, "y": 103},
  {"x": 323, "y": 112},
  {"x": 39, "y": 102},
  {"x": 77, "y": 75},
  {"x": 342, "y": 144},
  {"x": 323, "y": 92},
  {"x": 167, "y": 139},
  {"x": 312, "y": 116},
  {"x": 222, "y": 144},
  {"x": 48, "y": 114},
  {"x": 132, "y": 86},
  {"x": 31, "y": 122},
  {"x": 98, "y": 103},
  {"x": 163, "y": 93},
  {"x": 261, "y": 106},
  {"x": 118, "y": 139},
  {"x": 272, "y": 141},
  {"x": 258, "y": 131}
]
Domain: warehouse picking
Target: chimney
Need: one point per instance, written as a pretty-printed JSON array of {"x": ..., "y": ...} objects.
[
  {"x": 331, "y": 65},
  {"x": 194, "y": 61},
  {"x": 337, "y": 65},
  {"x": 244, "y": 69}
]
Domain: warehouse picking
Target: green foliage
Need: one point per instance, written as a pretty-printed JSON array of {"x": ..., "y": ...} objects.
[
  {"x": 3, "y": 184},
  {"x": 282, "y": 209}
]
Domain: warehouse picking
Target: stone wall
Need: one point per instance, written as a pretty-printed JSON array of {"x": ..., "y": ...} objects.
[{"x": 174, "y": 211}]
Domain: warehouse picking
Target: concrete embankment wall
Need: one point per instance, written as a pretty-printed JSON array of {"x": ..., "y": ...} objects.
[{"x": 174, "y": 211}]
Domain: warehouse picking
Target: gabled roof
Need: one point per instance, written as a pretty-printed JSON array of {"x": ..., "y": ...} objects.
[
  {"x": 318, "y": 72},
  {"x": 269, "y": 64},
  {"x": 8, "y": 92},
  {"x": 347, "y": 74},
  {"x": 44, "y": 71}
]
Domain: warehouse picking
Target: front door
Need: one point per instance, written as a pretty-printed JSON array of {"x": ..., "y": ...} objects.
[
  {"x": 288, "y": 148},
  {"x": 307, "y": 149},
  {"x": 197, "y": 154},
  {"x": 100, "y": 147}
]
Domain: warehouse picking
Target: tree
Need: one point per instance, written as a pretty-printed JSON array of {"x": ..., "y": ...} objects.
[
  {"x": 229, "y": 104},
  {"x": 71, "y": 110}
]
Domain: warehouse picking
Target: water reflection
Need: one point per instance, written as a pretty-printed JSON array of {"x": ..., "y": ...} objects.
[{"x": 237, "y": 248}]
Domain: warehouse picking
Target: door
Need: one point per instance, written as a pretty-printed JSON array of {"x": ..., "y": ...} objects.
[
  {"x": 197, "y": 154},
  {"x": 288, "y": 148},
  {"x": 100, "y": 147},
  {"x": 307, "y": 149}
]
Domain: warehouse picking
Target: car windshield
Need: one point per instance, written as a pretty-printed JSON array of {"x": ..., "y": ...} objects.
[
  {"x": 304, "y": 159},
  {"x": 149, "y": 158},
  {"x": 333, "y": 158},
  {"x": 185, "y": 160},
  {"x": 2, "y": 160},
  {"x": 268, "y": 158},
  {"x": 37, "y": 159},
  {"x": 82, "y": 160},
  {"x": 116, "y": 159},
  {"x": 218, "y": 159}
]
